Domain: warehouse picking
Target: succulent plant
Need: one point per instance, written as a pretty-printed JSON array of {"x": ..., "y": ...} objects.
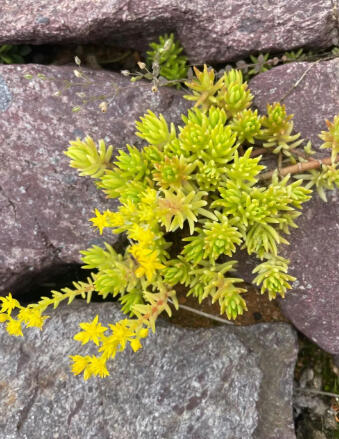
[
  {"x": 10, "y": 54},
  {"x": 167, "y": 56},
  {"x": 189, "y": 199}
]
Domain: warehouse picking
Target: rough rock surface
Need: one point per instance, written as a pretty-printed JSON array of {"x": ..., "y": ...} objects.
[
  {"x": 215, "y": 31},
  {"x": 44, "y": 205},
  {"x": 222, "y": 383},
  {"x": 315, "y": 98},
  {"x": 313, "y": 303}
]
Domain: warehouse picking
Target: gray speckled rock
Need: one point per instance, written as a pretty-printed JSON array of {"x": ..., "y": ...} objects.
[
  {"x": 221, "y": 383},
  {"x": 210, "y": 31},
  {"x": 44, "y": 204},
  {"x": 5, "y": 96},
  {"x": 313, "y": 304}
]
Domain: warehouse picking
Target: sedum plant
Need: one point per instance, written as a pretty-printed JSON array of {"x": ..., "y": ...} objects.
[
  {"x": 190, "y": 198},
  {"x": 265, "y": 61},
  {"x": 11, "y": 54},
  {"x": 165, "y": 64},
  {"x": 166, "y": 56}
]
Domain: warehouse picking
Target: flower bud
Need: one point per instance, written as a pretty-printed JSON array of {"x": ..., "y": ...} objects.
[{"x": 142, "y": 65}]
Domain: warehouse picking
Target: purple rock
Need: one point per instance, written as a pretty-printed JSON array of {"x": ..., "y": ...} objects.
[
  {"x": 313, "y": 303},
  {"x": 44, "y": 204},
  {"x": 313, "y": 100},
  {"x": 215, "y": 31}
]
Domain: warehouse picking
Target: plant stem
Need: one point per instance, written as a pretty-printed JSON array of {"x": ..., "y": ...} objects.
[
  {"x": 259, "y": 151},
  {"x": 303, "y": 155},
  {"x": 299, "y": 80},
  {"x": 203, "y": 314},
  {"x": 318, "y": 392},
  {"x": 299, "y": 167},
  {"x": 279, "y": 162}
]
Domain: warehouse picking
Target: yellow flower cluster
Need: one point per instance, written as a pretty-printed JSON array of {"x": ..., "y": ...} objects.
[
  {"x": 144, "y": 252},
  {"x": 106, "y": 219},
  {"x": 147, "y": 259},
  {"x": 141, "y": 234},
  {"x": 123, "y": 332},
  {"x": 30, "y": 316}
]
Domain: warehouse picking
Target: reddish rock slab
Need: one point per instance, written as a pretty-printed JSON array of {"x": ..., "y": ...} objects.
[
  {"x": 44, "y": 204},
  {"x": 313, "y": 100},
  {"x": 313, "y": 303},
  {"x": 215, "y": 31}
]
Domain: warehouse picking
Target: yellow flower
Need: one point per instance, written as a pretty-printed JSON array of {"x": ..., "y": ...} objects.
[
  {"x": 4, "y": 317},
  {"x": 150, "y": 197},
  {"x": 13, "y": 327},
  {"x": 100, "y": 220},
  {"x": 32, "y": 317},
  {"x": 143, "y": 333},
  {"x": 148, "y": 261},
  {"x": 109, "y": 346},
  {"x": 91, "y": 331},
  {"x": 36, "y": 320},
  {"x": 97, "y": 366},
  {"x": 127, "y": 330},
  {"x": 79, "y": 363},
  {"x": 138, "y": 251},
  {"x": 150, "y": 267},
  {"x": 8, "y": 304},
  {"x": 114, "y": 219},
  {"x": 138, "y": 233},
  {"x": 89, "y": 365},
  {"x": 122, "y": 333},
  {"x": 136, "y": 345}
]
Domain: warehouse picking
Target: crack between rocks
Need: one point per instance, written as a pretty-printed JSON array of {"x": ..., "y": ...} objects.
[
  {"x": 50, "y": 247},
  {"x": 75, "y": 411},
  {"x": 10, "y": 202},
  {"x": 23, "y": 358},
  {"x": 25, "y": 411}
]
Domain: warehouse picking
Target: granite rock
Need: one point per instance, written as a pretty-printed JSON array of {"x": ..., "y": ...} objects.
[
  {"x": 215, "y": 31},
  {"x": 44, "y": 204},
  {"x": 224, "y": 382}
]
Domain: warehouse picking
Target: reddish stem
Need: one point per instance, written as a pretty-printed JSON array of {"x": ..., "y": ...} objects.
[{"x": 299, "y": 167}]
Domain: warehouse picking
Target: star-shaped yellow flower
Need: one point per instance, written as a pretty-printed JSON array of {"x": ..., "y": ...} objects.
[
  {"x": 100, "y": 220},
  {"x": 92, "y": 331}
]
